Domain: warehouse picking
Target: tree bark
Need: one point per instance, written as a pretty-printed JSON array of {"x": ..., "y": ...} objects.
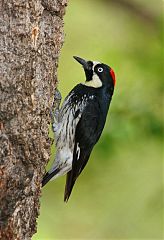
[{"x": 31, "y": 39}]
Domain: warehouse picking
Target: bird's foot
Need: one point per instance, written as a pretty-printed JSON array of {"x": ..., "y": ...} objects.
[{"x": 55, "y": 111}]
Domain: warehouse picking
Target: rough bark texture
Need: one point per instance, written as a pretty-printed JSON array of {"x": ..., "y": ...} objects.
[{"x": 31, "y": 38}]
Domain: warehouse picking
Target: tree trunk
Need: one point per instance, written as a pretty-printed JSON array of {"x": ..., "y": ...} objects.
[{"x": 31, "y": 38}]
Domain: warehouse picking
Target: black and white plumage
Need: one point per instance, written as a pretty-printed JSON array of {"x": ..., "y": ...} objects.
[{"x": 80, "y": 121}]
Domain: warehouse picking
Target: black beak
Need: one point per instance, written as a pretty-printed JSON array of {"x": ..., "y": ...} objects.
[{"x": 82, "y": 62}]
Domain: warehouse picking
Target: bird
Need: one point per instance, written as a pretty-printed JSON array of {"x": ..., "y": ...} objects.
[{"x": 79, "y": 123}]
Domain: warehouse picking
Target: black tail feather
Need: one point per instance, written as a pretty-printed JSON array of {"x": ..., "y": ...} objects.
[
  {"x": 48, "y": 176},
  {"x": 69, "y": 186}
]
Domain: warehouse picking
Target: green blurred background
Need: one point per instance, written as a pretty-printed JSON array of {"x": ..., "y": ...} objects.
[{"x": 119, "y": 194}]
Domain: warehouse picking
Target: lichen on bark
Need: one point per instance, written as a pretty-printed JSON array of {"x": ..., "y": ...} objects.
[{"x": 31, "y": 38}]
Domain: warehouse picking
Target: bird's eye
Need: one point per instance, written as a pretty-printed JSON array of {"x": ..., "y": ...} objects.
[{"x": 100, "y": 69}]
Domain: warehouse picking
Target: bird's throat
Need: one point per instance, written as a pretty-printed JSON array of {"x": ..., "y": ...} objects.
[{"x": 95, "y": 82}]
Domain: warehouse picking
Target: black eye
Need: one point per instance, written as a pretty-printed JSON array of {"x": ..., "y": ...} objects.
[{"x": 100, "y": 69}]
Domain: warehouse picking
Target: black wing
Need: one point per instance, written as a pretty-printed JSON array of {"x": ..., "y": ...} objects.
[{"x": 88, "y": 131}]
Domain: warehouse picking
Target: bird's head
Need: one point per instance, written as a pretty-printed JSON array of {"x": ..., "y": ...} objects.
[{"x": 97, "y": 74}]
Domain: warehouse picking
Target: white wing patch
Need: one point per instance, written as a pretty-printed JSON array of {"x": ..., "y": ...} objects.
[
  {"x": 70, "y": 114},
  {"x": 65, "y": 134},
  {"x": 78, "y": 151}
]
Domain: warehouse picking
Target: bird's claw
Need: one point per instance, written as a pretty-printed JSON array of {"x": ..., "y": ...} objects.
[{"x": 54, "y": 113}]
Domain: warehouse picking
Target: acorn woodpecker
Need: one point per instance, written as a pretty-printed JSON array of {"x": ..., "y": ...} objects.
[{"x": 78, "y": 124}]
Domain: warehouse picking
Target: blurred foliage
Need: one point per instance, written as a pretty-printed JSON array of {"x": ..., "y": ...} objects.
[{"x": 119, "y": 194}]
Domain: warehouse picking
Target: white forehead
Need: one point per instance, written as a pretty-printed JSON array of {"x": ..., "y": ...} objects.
[{"x": 94, "y": 64}]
